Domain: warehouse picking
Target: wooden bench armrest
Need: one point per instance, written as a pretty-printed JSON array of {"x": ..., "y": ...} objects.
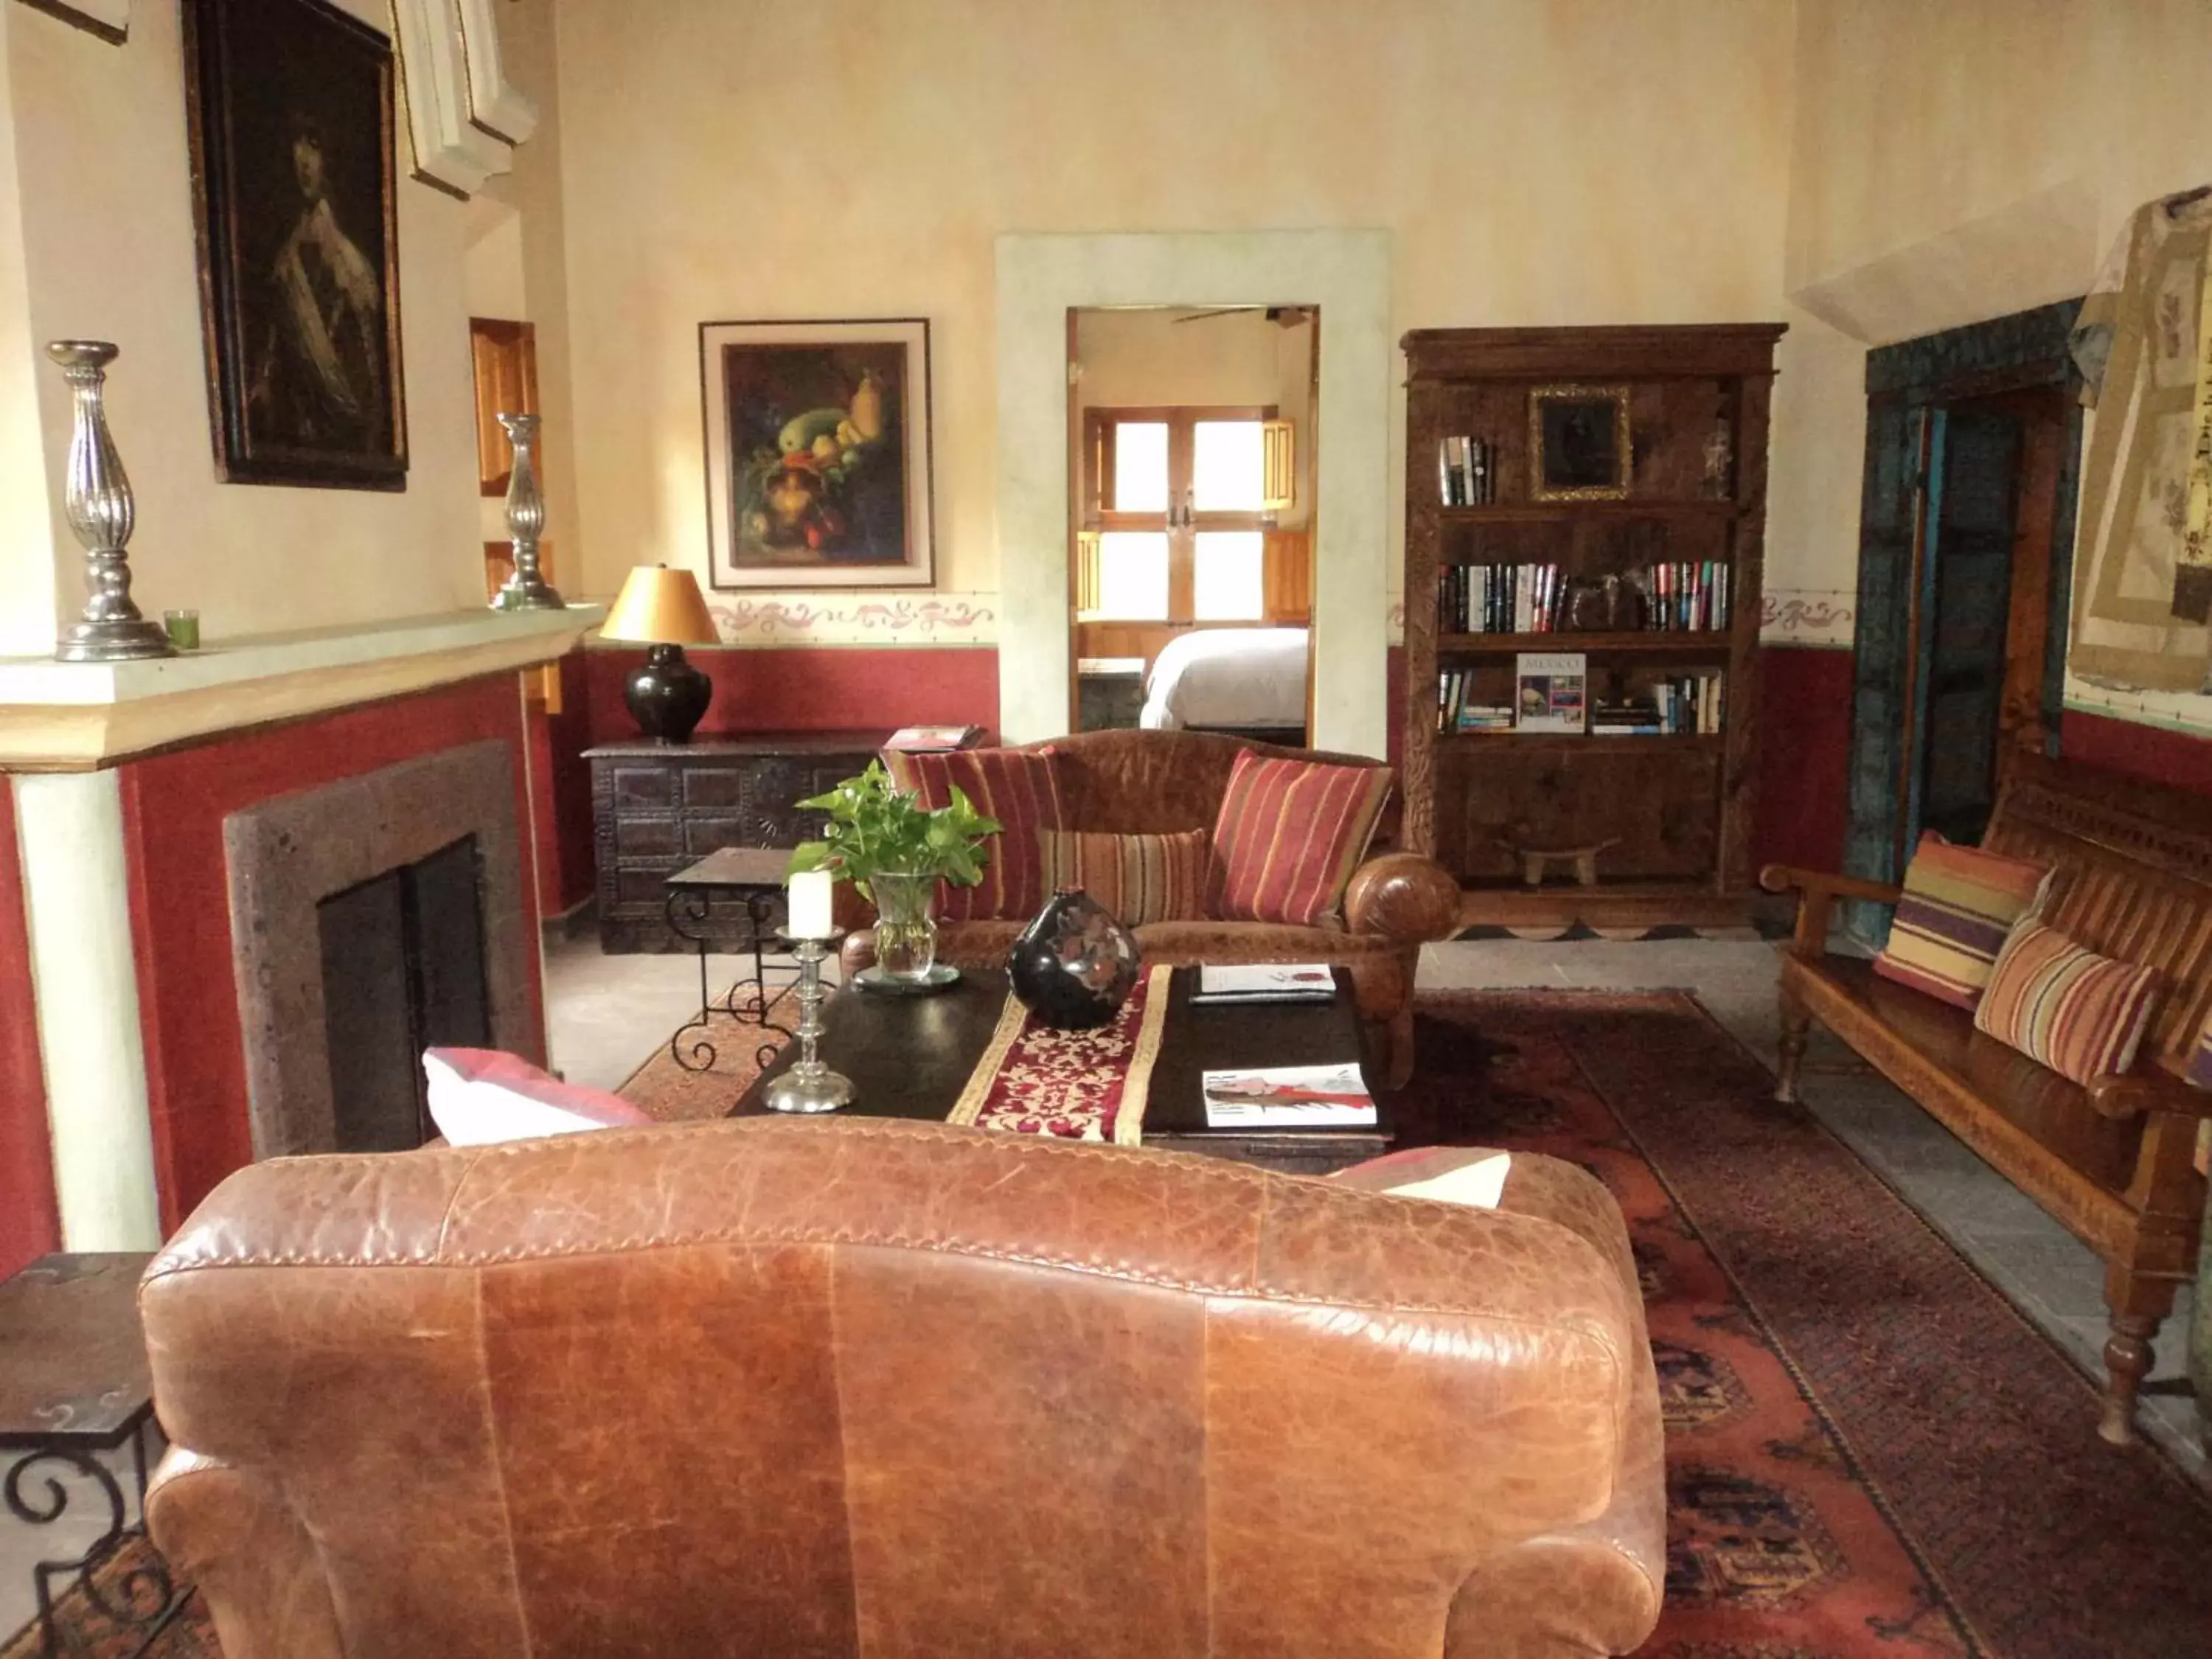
[
  {"x": 1817, "y": 891},
  {"x": 2133, "y": 1094}
]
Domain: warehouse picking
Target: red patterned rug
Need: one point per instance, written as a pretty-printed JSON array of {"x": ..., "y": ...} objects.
[{"x": 1869, "y": 1452}]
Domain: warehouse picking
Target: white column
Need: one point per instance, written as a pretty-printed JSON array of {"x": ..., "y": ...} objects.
[{"x": 69, "y": 827}]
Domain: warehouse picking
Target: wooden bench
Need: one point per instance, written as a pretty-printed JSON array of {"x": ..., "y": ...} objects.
[{"x": 2114, "y": 1162}]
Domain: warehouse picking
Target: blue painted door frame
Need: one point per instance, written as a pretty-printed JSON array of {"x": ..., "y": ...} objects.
[{"x": 1910, "y": 387}]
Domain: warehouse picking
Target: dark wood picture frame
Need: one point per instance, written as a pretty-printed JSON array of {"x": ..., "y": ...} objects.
[
  {"x": 305, "y": 379},
  {"x": 824, "y": 354},
  {"x": 1595, "y": 469}
]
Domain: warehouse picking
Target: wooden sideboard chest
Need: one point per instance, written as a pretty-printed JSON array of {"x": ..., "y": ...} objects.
[{"x": 657, "y": 807}]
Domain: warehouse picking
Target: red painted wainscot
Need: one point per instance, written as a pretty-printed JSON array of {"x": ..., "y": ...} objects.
[
  {"x": 2156, "y": 753},
  {"x": 173, "y": 807},
  {"x": 1804, "y": 801},
  {"x": 819, "y": 689},
  {"x": 29, "y": 1221},
  {"x": 561, "y": 791}
]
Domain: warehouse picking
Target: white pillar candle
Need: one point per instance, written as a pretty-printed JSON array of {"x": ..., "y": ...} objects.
[{"x": 810, "y": 896}]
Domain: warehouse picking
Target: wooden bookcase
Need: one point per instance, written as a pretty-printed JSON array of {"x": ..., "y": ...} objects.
[{"x": 1676, "y": 808}]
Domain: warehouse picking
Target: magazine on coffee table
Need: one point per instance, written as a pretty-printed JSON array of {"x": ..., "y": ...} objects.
[
  {"x": 1288, "y": 1096},
  {"x": 1265, "y": 981}
]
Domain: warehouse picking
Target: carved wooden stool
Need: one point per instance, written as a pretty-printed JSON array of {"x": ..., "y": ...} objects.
[{"x": 1584, "y": 860}]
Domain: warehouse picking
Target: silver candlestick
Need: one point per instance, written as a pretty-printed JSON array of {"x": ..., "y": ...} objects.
[
  {"x": 524, "y": 590},
  {"x": 808, "y": 1085},
  {"x": 97, "y": 497}
]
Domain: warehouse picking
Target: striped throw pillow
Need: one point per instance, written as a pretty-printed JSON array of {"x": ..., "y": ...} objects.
[
  {"x": 1140, "y": 879},
  {"x": 1959, "y": 904},
  {"x": 2081, "y": 1014},
  {"x": 1019, "y": 788},
  {"x": 1289, "y": 835}
]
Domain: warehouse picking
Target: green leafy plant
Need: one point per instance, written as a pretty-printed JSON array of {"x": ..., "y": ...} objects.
[{"x": 876, "y": 828}]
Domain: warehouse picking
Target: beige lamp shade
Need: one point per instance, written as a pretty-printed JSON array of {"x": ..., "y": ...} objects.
[{"x": 660, "y": 606}]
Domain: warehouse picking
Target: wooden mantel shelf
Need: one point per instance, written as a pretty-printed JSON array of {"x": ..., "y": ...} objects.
[{"x": 64, "y": 717}]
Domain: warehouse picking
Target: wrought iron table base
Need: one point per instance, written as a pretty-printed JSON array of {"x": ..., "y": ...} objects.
[
  {"x": 750, "y": 1000},
  {"x": 144, "y": 1599}
]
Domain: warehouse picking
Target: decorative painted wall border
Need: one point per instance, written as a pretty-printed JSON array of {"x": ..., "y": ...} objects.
[
  {"x": 776, "y": 619},
  {"x": 1807, "y": 616}
]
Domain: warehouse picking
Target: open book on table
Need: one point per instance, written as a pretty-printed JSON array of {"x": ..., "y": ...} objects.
[{"x": 1288, "y": 1096}]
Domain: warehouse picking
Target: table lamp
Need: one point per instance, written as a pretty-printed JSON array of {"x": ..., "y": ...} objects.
[{"x": 664, "y": 609}]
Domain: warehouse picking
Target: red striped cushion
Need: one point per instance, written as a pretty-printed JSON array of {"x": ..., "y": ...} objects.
[
  {"x": 1019, "y": 788},
  {"x": 1140, "y": 879},
  {"x": 2081, "y": 1014},
  {"x": 1289, "y": 835}
]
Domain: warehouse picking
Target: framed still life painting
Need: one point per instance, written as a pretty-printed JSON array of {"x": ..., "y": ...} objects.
[
  {"x": 817, "y": 453},
  {"x": 289, "y": 104}
]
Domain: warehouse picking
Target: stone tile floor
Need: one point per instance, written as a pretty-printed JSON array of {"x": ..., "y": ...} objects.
[{"x": 608, "y": 1013}]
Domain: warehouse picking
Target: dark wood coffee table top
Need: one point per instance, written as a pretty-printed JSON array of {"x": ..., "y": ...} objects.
[
  {"x": 910, "y": 1056},
  {"x": 72, "y": 1356}
]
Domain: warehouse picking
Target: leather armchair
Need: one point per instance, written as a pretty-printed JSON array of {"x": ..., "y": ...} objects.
[
  {"x": 1127, "y": 782},
  {"x": 800, "y": 1388}
]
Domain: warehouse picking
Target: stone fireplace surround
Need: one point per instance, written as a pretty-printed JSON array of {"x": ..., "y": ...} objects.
[{"x": 288, "y": 854}]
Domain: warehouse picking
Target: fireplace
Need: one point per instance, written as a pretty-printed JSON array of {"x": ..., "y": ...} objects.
[
  {"x": 370, "y": 919},
  {"x": 403, "y": 971}
]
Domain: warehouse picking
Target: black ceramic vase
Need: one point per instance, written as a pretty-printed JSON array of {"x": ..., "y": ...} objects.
[
  {"x": 1074, "y": 966},
  {"x": 666, "y": 695}
]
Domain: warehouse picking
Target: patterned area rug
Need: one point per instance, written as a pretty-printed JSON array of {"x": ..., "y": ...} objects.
[{"x": 1869, "y": 1452}]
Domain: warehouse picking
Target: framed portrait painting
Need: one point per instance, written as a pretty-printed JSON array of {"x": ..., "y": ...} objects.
[
  {"x": 817, "y": 453},
  {"x": 290, "y": 111},
  {"x": 1578, "y": 442}
]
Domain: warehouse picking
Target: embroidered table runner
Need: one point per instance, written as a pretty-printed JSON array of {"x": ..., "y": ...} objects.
[{"x": 1081, "y": 1085}]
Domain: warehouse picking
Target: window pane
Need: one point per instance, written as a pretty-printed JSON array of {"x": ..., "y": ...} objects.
[
  {"x": 1133, "y": 575},
  {"x": 1140, "y": 467},
  {"x": 1226, "y": 583},
  {"x": 1226, "y": 466}
]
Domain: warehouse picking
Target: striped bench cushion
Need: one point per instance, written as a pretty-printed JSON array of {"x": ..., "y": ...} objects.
[
  {"x": 1959, "y": 906},
  {"x": 2081, "y": 1014}
]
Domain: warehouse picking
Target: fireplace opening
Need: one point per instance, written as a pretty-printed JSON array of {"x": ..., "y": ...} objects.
[{"x": 403, "y": 956}]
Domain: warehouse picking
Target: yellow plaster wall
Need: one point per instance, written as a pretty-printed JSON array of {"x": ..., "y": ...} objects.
[
  {"x": 106, "y": 229},
  {"x": 1952, "y": 162},
  {"x": 1536, "y": 161}
]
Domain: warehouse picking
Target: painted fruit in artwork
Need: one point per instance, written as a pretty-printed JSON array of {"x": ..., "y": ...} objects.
[
  {"x": 868, "y": 407},
  {"x": 1075, "y": 965}
]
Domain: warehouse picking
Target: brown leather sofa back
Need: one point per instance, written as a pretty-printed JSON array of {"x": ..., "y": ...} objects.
[
  {"x": 801, "y": 1388},
  {"x": 1153, "y": 783}
]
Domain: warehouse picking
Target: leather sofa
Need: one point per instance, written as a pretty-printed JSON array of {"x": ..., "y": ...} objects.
[
  {"x": 1137, "y": 783},
  {"x": 800, "y": 1388}
]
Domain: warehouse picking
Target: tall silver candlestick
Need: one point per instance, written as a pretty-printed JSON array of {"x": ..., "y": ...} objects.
[
  {"x": 97, "y": 497},
  {"x": 526, "y": 589},
  {"x": 809, "y": 1085}
]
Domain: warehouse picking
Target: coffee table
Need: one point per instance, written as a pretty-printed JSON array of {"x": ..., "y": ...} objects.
[{"x": 910, "y": 1056}]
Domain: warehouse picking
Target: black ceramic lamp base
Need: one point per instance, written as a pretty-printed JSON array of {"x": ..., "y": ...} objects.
[{"x": 667, "y": 696}]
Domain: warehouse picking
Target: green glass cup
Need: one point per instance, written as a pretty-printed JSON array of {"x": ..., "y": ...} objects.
[{"x": 183, "y": 628}]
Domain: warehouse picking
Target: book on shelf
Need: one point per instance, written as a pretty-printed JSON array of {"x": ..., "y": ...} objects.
[
  {"x": 1501, "y": 599},
  {"x": 1549, "y": 691},
  {"x": 1268, "y": 982},
  {"x": 1466, "y": 472},
  {"x": 1285, "y": 1097},
  {"x": 1690, "y": 597},
  {"x": 1679, "y": 597}
]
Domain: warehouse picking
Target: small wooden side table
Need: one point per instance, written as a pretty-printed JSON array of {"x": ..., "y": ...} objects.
[
  {"x": 697, "y": 910},
  {"x": 73, "y": 1384}
]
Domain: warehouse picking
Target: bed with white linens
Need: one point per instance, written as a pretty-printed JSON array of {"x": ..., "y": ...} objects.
[{"x": 1246, "y": 680}]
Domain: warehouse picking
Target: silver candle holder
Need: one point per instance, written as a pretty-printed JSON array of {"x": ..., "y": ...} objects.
[
  {"x": 526, "y": 589},
  {"x": 98, "y": 501},
  {"x": 808, "y": 1085}
]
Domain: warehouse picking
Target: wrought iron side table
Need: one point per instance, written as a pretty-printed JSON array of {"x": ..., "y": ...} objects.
[
  {"x": 732, "y": 899},
  {"x": 73, "y": 1385}
]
